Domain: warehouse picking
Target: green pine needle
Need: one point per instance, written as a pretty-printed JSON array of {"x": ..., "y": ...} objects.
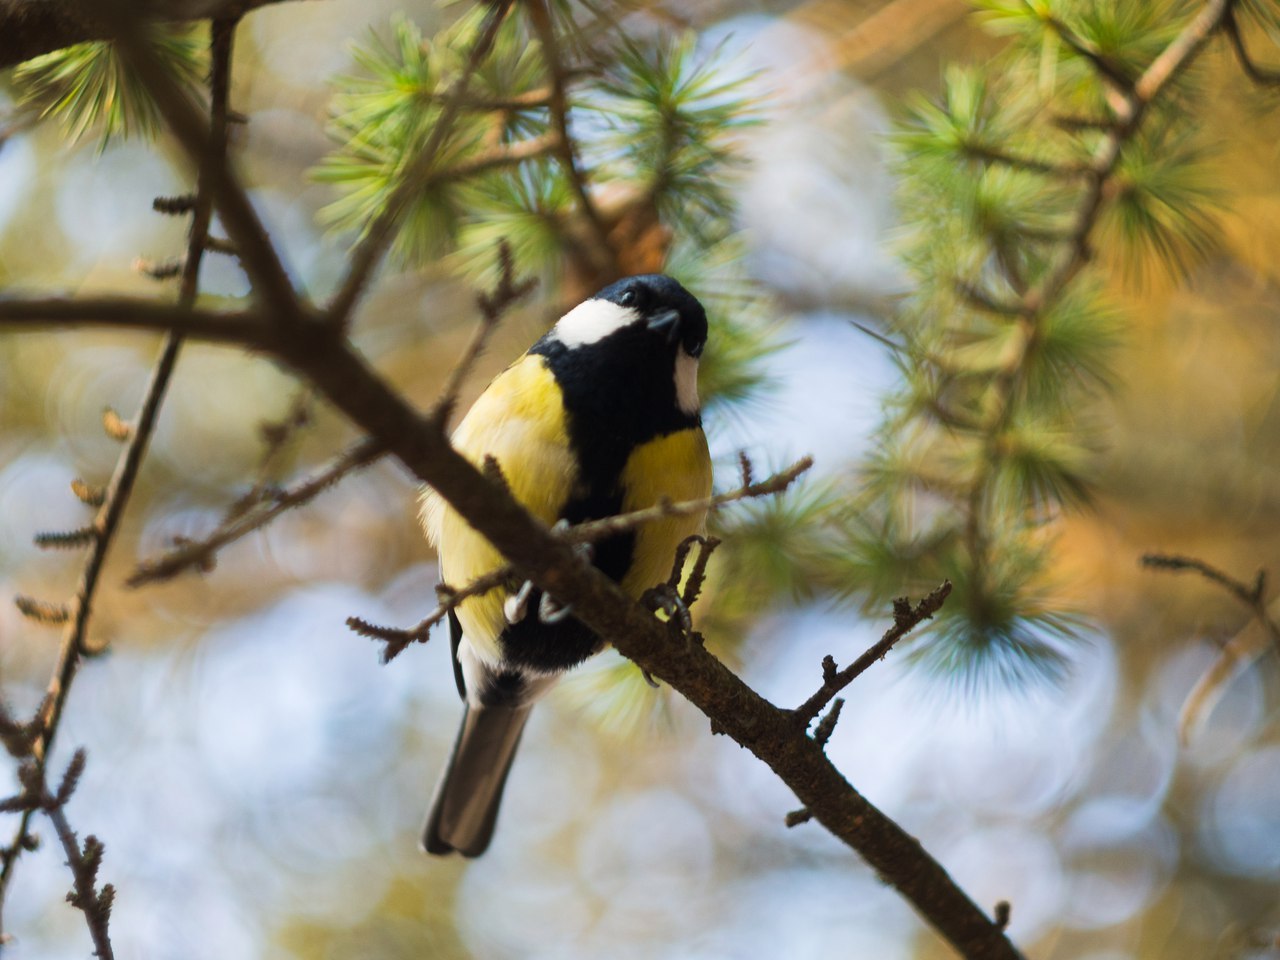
[{"x": 89, "y": 89}]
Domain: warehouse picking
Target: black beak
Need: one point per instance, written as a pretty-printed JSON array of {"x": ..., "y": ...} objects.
[{"x": 666, "y": 323}]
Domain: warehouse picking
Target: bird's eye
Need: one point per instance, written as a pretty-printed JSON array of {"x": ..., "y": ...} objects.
[{"x": 627, "y": 298}]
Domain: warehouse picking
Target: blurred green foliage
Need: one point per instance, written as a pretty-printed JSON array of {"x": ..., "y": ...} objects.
[
  {"x": 88, "y": 88},
  {"x": 1008, "y": 196}
]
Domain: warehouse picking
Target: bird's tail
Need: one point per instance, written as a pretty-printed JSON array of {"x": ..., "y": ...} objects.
[{"x": 465, "y": 806}]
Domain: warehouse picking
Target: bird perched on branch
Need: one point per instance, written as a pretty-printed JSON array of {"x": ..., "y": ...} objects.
[{"x": 600, "y": 417}]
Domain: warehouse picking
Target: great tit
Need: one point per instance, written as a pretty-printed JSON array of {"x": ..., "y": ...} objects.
[{"x": 599, "y": 417}]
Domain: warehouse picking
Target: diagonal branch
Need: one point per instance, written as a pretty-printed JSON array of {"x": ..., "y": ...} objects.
[
  {"x": 540, "y": 17},
  {"x": 371, "y": 249},
  {"x": 190, "y": 125},
  {"x": 1129, "y": 106},
  {"x": 328, "y": 360},
  {"x": 201, "y": 554},
  {"x": 905, "y": 619}
]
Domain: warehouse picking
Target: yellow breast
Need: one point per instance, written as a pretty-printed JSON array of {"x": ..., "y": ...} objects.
[
  {"x": 520, "y": 421},
  {"x": 677, "y": 467}
]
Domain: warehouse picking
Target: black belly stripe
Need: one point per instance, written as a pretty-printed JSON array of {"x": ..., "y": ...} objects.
[{"x": 618, "y": 394}]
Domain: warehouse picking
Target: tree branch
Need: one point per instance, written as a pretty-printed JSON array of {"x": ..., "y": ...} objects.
[
  {"x": 248, "y": 329},
  {"x": 202, "y": 554},
  {"x": 115, "y": 498},
  {"x": 370, "y": 251},
  {"x": 325, "y": 358},
  {"x": 905, "y": 619},
  {"x": 29, "y": 29},
  {"x": 600, "y": 249},
  {"x": 1252, "y": 596}
]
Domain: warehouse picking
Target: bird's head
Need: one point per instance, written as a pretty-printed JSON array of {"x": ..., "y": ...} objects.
[{"x": 649, "y": 317}]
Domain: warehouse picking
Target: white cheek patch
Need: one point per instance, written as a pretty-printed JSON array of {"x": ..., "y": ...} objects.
[
  {"x": 686, "y": 382},
  {"x": 591, "y": 321}
]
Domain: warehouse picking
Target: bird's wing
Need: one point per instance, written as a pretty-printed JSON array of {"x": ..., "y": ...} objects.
[{"x": 520, "y": 421}]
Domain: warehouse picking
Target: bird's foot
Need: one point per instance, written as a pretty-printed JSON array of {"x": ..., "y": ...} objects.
[
  {"x": 550, "y": 611},
  {"x": 666, "y": 598},
  {"x": 516, "y": 606}
]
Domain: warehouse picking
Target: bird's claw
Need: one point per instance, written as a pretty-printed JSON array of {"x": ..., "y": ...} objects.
[
  {"x": 550, "y": 611},
  {"x": 516, "y": 606},
  {"x": 667, "y": 598}
]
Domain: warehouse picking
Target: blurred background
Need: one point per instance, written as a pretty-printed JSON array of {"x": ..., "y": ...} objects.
[{"x": 259, "y": 778}]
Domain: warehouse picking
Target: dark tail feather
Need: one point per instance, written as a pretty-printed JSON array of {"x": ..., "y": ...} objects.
[{"x": 465, "y": 806}]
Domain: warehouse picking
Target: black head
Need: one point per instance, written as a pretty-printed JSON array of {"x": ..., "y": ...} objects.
[{"x": 668, "y": 308}]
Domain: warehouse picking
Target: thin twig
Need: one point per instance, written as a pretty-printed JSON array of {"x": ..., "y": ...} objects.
[
  {"x": 905, "y": 619},
  {"x": 369, "y": 252},
  {"x": 506, "y": 292},
  {"x": 593, "y": 530},
  {"x": 540, "y": 17},
  {"x": 397, "y": 639},
  {"x": 1252, "y": 595},
  {"x": 1264, "y": 78},
  {"x": 74, "y": 646},
  {"x": 190, "y": 125},
  {"x": 276, "y": 435},
  {"x": 201, "y": 554},
  {"x": 85, "y": 896}
]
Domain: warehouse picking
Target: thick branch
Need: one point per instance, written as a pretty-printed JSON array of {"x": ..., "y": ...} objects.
[
  {"x": 241, "y": 328},
  {"x": 326, "y": 359},
  {"x": 29, "y": 29}
]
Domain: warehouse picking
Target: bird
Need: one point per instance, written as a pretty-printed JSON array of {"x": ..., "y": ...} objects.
[{"x": 599, "y": 417}]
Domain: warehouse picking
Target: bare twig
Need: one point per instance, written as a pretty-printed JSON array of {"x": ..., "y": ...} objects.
[
  {"x": 397, "y": 639},
  {"x": 593, "y": 530},
  {"x": 827, "y": 725},
  {"x": 201, "y": 554},
  {"x": 377, "y": 240},
  {"x": 1265, "y": 78},
  {"x": 600, "y": 249},
  {"x": 73, "y": 647},
  {"x": 190, "y": 125},
  {"x": 905, "y": 619},
  {"x": 1252, "y": 595},
  {"x": 85, "y": 896},
  {"x": 493, "y": 305},
  {"x": 276, "y": 435}
]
